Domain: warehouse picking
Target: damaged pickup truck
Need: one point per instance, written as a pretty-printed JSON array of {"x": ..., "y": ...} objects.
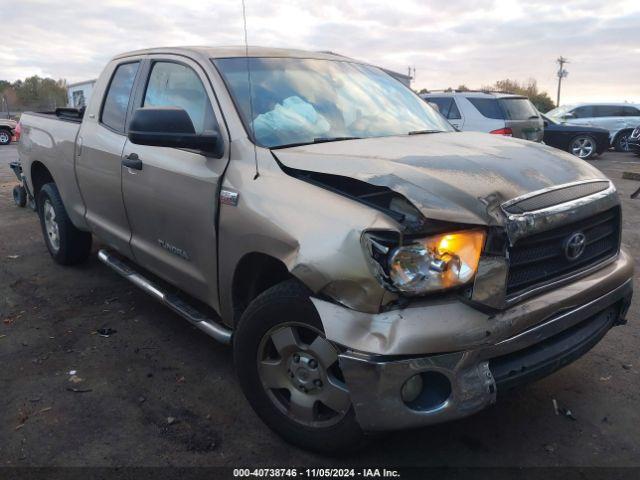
[{"x": 373, "y": 268}]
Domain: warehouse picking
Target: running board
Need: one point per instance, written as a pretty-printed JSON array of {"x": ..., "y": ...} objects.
[{"x": 195, "y": 317}]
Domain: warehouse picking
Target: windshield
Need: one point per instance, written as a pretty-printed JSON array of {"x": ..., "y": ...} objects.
[
  {"x": 298, "y": 101},
  {"x": 518, "y": 108},
  {"x": 559, "y": 111}
]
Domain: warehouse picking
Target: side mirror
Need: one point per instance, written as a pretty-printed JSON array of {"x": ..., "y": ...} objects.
[
  {"x": 568, "y": 116},
  {"x": 171, "y": 127}
]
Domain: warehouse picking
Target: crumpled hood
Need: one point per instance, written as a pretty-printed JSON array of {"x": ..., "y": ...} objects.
[{"x": 462, "y": 176}]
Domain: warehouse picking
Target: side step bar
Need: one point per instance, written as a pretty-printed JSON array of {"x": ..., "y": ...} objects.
[{"x": 198, "y": 319}]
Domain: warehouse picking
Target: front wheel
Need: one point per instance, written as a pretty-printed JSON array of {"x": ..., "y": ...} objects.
[
  {"x": 584, "y": 147},
  {"x": 66, "y": 244},
  {"x": 290, "y": 372}
]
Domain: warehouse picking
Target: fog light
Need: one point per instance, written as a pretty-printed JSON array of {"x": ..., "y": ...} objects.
[{"x": 411, "y": 389}]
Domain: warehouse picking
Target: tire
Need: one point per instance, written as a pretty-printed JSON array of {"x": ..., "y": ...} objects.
[
  {"x": 280, "y": 310},
  {"x": 20, "y": 196},
  {"x": 66, "y": 244},
  {"x": 621, "y": 143},
  {"x": 583, "y": 146},
  {"x": 5, "y": 137}
]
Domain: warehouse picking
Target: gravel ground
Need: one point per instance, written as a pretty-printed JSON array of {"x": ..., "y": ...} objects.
[{"x": 158, "y": 392}]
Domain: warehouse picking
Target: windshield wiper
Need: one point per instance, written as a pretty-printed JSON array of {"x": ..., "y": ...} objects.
[
  {"x": 333, "y": 139},
  {"x": 422, "y": 132},
  {"x": 315, "y": 140}
]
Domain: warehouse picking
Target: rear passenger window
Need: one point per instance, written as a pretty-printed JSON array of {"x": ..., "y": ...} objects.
[
  {"x": 488, "y": 107},
  {"x": 630, "y": 112},
  {"x": 176, "y": 85},
  {"x": 447, "y": 107},
  {"x": 114, "y": 110},
  {"x": 607, "y": 111}
]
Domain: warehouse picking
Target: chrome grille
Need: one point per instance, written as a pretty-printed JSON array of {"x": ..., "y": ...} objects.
[{"x": 540, "y": 258}]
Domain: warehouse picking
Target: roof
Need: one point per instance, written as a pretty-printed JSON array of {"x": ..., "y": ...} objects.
[
  {"x": 469, "y": 93},
  {"x": 585, "y": 104},
  {"x": 239, "y": 51}
]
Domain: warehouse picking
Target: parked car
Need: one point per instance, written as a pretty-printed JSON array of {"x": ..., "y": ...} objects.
[
  {"x": 491, "y": 112},
  {"x": 373, "y": 268},
  {"x": 634, "y": 141},
  {"x": 7, "y": 127},
  {"x": 618, "y": 118},
  {"x": 584, "y": 142}
]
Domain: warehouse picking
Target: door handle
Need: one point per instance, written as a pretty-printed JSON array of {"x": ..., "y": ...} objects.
[{"x": 132, "y": 161}]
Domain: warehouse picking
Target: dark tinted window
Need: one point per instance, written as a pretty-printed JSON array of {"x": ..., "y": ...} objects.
[
  {"x": 630, "y": 112},
  {"x": 114, "y": 110},
  {"x": 447, "y": 107},
  {"x": 488, "y": 107},
  {"x": 607, "y": 111},
  {"x": 518, "y": 108},
  {"x": 583, "y": 112},
  {"x": 176, "y": 85}
]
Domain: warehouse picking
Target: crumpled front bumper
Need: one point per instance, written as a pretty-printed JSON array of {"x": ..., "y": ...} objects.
[{"x": 461, "y": 383}]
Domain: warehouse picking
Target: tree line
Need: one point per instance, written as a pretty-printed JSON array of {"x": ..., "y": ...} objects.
[
  {"x": 32, "y": 93},
  {"x": 540, "y": 99}
]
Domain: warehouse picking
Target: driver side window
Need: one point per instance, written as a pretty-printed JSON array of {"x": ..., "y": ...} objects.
[{"x": 176, "y": 85}]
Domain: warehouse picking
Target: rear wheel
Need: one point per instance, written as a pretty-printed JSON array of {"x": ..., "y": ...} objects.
[
  {"x": 290, "y": 373},
  {"x": 19, "y": 195},
  {"x": 66, "y": 244},
  {"x": 5, "y": 137},
  {"x": 621, "y": 143},
  {"x": 583, "y": 146}
]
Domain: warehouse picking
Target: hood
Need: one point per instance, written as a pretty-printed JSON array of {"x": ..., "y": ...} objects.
[{"x": 462, "y": 177}]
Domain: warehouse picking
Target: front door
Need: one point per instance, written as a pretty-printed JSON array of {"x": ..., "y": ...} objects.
[
  {"x": 172, "y": 201},
  {"x": 98, "y": 163}
]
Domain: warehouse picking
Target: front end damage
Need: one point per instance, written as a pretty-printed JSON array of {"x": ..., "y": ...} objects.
[
  {"x": 427, "y": 360},
  {"x": 529, "y": 310}
]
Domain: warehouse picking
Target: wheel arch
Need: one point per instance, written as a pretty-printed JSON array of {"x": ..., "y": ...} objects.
[
  {"x": 618, "y": 133},
  {"x": 255, "y": 273},
  {"x": 40, "y": 175}
]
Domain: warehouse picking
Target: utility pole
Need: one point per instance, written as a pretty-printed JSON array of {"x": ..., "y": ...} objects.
[
  {"x": 562, "y": 73},
  {"x": 411, "y": 76}
]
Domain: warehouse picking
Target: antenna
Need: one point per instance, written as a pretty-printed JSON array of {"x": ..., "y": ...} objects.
[{"x": 246, "y": 55}]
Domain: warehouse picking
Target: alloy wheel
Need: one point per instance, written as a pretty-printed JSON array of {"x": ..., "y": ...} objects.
[
  {"x": 51, "y": 225},
  {"x": 624, "y": 142},
  {"x": 298, "y": 368},
  {"x": 4, "y": 137},
  {"x": 583, "y": 147}
]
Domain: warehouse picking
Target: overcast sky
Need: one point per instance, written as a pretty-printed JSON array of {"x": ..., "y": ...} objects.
[{"x": 449, "y": 42}]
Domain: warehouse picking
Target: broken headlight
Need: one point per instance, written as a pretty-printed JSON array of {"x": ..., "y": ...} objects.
[{"x": 427, "y": 264}]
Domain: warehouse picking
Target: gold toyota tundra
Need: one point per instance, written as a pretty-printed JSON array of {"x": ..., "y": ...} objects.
[{"x": 373, "y": 268}]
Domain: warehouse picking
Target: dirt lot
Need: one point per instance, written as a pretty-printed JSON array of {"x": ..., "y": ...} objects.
[{"x": 157, "y": 366}]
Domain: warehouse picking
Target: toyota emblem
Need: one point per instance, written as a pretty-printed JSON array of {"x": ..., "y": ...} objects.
[{"x": 574, "y": 246}]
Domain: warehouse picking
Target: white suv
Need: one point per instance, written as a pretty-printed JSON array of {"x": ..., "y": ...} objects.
[
  {"x": 491, "y": 112},
  {"x": 619, "y": 118}
]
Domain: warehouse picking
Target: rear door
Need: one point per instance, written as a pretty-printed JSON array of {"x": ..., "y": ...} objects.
[
  {"x": 449, "y": 109},
  {"x": 99, "y": 154},
  {"x": 522, "y": 118},
  {"x": 610, "y": 117},
  {"x": 172, "y": 202}
]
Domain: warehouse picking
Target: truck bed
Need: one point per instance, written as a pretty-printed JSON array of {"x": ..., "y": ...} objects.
[{"x": 49, "y": 139}]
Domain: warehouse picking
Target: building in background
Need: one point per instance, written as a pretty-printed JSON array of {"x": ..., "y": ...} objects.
[{"x": 78, "y": 94}]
